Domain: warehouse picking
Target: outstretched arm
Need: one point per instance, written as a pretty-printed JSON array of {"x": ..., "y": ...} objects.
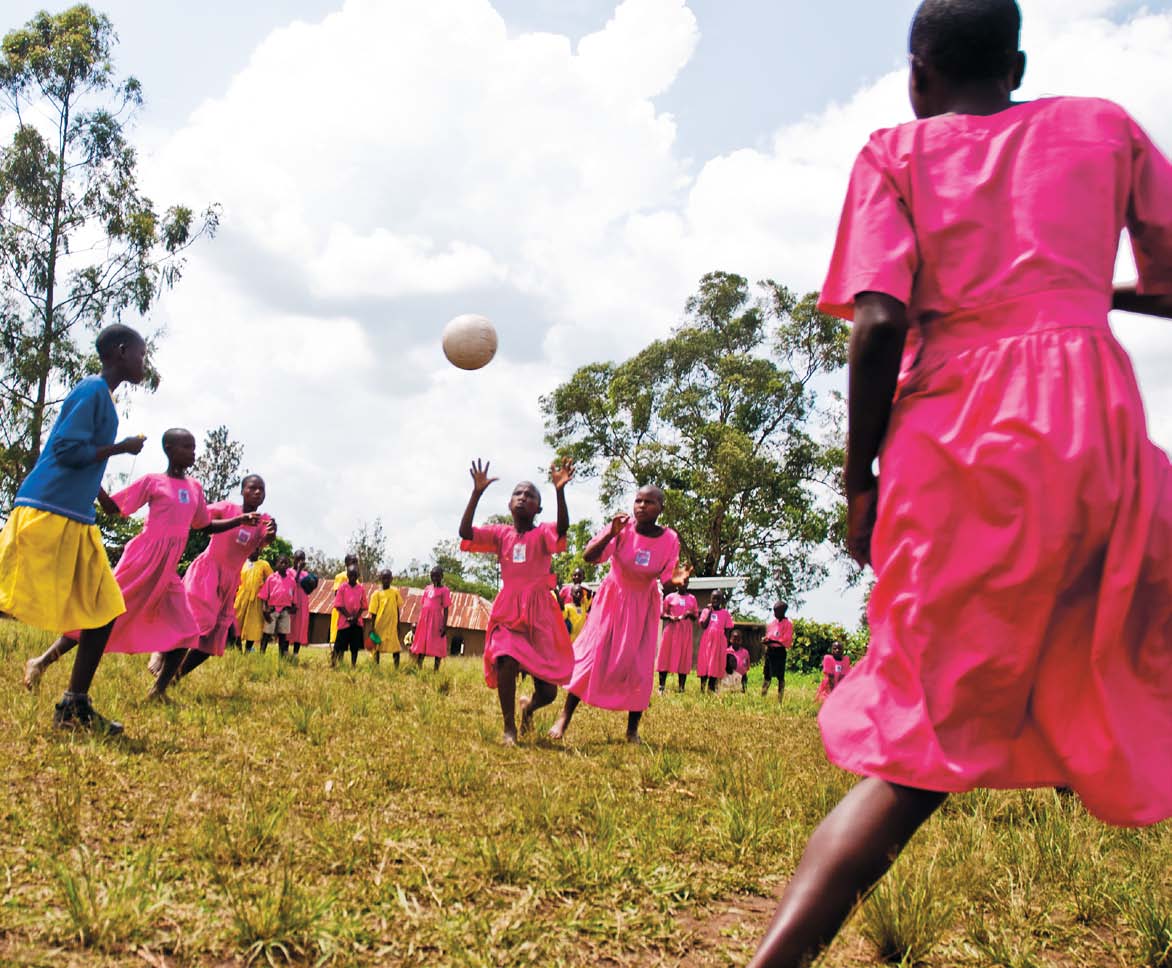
[
  {"x": 107, "y": 503},
  {"x": 227, "y": 524},
  {"x": 593, "y": 551},
  {"x": 1156, "y": 304},
  {"x": 480, "y": 483},
  {"x": 561, "y": 475}
]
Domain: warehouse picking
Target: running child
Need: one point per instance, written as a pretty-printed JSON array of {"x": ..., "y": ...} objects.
[
  {"x": 577, "y": 586},
  {"x": 574, "y": 613},
  {"x": 54, "y": 573},
  {"x": 211, "y": 580},
  {"x": 385, "y": 605},
  {"x": 277, "y": 596},
  {"x": 835, "y": 666},
  {"x": 779, "y": 639},
  {"x": 716, "y": 622},
  {"x": 680, "y": 611},
  {"x": 250, "y": 611},
  {"x": 525, "y": 628},
  {"x": 431, "y": 628},
  {"x": 304, "y": 583},
  {"x": 350, "y": 603},
  {"x": 1021, "y": 526},
  {"x": 158, "y": 617},
  {"x": 614, "y": 657}
]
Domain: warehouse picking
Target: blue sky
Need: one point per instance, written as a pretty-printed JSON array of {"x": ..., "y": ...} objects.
[{"x": 568, "y": 167}]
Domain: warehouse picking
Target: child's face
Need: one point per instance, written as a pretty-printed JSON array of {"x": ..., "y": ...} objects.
[
  {"x": 299, "y": 560},
  {"x": 578, "y": 576},
  {"x": 385, "y": 578},
  {"x": 837, "y": 650},
  {"x": 648, "y": 505},
  {"x": 180, "y": 450},
  {"x": 779, "y": 610},
  {"x": 437, "y": 576},
  {"x": 132, "y": 360},
  {"x": 253, "y": 492},
  {"x": 525, "y": 502},
  {"x": 735, "y": 638},
  {"x": 282, "y": 564},
  {"x": 352, "y": 574}
]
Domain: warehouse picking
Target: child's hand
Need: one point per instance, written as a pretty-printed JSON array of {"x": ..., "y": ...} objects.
[
  {"x": 681, "y": 574},
  {"x": 252, "y": 517},
  {"x": 480, "y": 478},
  {"x": 617, "y": 523},
  {"x": 561, "y": 474},
  {"x": 860, "y": 523},
  {"x": 270, "y": 528},
  {"x": 132, "y": 445}
]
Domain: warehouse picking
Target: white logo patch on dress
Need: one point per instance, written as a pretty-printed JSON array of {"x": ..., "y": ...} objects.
[
  {"x": 243, "y": 536},
  {"x": 520, "y": 553},
  {"x": 184, "y": 496},
  {"x": 643, "y": 557}
]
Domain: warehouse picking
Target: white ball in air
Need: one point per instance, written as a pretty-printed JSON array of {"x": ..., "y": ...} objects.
[{"x": 469, "y": 341}]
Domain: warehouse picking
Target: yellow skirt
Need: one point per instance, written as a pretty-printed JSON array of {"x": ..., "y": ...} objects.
[{"x": 54, "y": 573}]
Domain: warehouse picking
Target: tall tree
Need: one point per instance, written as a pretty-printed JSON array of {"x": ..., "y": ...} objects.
[
  {"x": 369, "y": 543},
  {"x": 725, "y": 416},
  {"x": 217, "y": 467},
  {"x": 80, "y": 245}
]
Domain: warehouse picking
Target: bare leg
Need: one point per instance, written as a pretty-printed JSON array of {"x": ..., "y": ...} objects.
[
  {"x": 558, "y": 730},
  {"x": 192, "y": 660},
  {"x": 437, "y": 662},
  {"x": 544, "y": 693},
  {"x": 396, "y": 655},
  {"x": 35, "y": 668},
  {"x": 506, "y": 690},
  {"x": 662, "y": 682},
  {"x": 765, "y": 687},
  {"x": 683, "y": 679},
  {"x": 848, "y": 853},
  {"x": 419, "y": 660},
  {"x": 633, "y": 726},
  {"x": 89, "y": 654},
  {"x": 376, "y": 658},
  {"x": 296, "y": 649},
  {"x": 172, "y": 661}
]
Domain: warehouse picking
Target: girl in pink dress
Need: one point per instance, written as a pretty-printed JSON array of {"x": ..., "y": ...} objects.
[
  {"x": 835, "y": 666},
  {"x": 680, "y": 611},
  {"x": 211, "y": 580},
  {"x": 299, "y": 626},
  {"x": 157, "y": 616},
  {"x": 431, "y": 629},
  {"x": 525, "y": 629},
  {"x": 1021, "y": 526},
  {"x": 614, "y": 657},
  {"x": 716, "y": 622}
]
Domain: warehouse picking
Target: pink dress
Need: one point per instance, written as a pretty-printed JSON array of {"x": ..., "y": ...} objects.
[
  {"x": 158, "y": 617},
  {"x": 214, "y": 576},
  {"x": 714, "y": 643},
  {"x": 1021, "y": 620},
  {"x": 614, "y": 656},
  {"x": 676, "y": 644},
  {"x": 833, "y": 672},
  {"x": 428, "y": 640},
  {"x": 525, "y": 622},
  {"x": 299, "y": 620}
]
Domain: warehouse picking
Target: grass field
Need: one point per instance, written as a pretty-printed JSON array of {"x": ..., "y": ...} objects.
[{"x": 297, "y": 814}]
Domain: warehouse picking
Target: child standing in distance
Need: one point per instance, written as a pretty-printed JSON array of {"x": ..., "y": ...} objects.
[
  {"x": 250, "y": 614},
  {"x": 431, "y": 628},
  {"x": 614, "y": 657},
  {"x": 779, "y": 638},
  {"x": 385, "y": 605},
  {"x": 158, "y": 617},
  {"x": 739, "y": 657},
  {"x": 577, "y": 586},
  {"x": 680, "y": 611},
  {"x": 1021, "y": 526},
  {"x": 277, "y": 596},
  {"x": 350, "y": 604},
  {"x": 304, "y": 582},
  {"x": 211, "y": 580},
  {"x": 54, "y": 573},
  {"x": 835, "y": 666},
  {"x": 716, "y": 623},
  {"x": 575, "y": 612},
  {"x": 339, "y": 581},
  {"x": 525, "y": 628}
]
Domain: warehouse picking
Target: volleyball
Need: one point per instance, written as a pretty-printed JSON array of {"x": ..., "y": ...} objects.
[{"x": 469, "y": 341}]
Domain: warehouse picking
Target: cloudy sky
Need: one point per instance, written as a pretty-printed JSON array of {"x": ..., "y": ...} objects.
[{"x": 567, "y": 167}]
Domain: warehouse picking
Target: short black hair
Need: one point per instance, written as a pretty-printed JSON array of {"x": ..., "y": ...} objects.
[
  {"x": 170, "y": 436},
  {"x": 113, "y": 336},
  {"x": 967, "y": 40},
  {"x": 657, "y": 490},
  {"x": 252, "y": 477}
]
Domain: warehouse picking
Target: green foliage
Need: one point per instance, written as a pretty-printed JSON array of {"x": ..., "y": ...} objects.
[
  {"x": 116, "y": 532},
  {"x": 812, "y": 640},
  {"x": 724, "y": 416},
  {"x": 80, "y": 245},
  {"x": 275, "y": 548},
  {"x": 577, "y": 538},
  {"x": 369, "y": 543},
  {"x": 217, "y": 467},
  {"x": 463, "y": 572}
]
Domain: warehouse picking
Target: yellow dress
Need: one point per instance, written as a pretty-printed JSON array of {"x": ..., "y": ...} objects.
[
  {"x": 250, "y": 616},
  {"x": 339, "y": 580},
  {"x": 54, "y": 573},
  {"x": 384, "y": 612},
  {"x": 576, "y": 617}
]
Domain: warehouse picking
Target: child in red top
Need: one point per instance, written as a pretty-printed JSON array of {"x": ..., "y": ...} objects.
[
  {"x": 1021, "y": 526},
  {"x": 278, "y": 596},
  {"x": 431, "y": 629},
  {"x": 835, "y": 666},
  {"x": 779, "y": 638},
  {"x": 350, "y": 602},
  {"x": 525, "y": 630}
]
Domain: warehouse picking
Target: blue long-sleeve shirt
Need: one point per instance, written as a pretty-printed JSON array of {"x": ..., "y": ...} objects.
[{"x": 67, "y": 475}]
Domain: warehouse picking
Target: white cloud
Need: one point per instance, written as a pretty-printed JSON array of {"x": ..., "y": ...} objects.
[{"x": 401, "y": 162}]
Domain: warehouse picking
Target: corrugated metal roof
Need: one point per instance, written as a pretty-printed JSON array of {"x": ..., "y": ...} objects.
[{"x": 468, "y": 611}]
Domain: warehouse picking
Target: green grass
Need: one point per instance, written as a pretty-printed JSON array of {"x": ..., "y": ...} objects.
[{"x": 307, "y": 816}]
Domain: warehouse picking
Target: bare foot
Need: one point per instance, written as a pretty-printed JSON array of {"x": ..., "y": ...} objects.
[
  {"x": 509, "y": 739},
  {"x": 161, "y": 698},
  {"x": 633, "y": 738},
  {"x": 558, "y": 729},
  {"x": 525, "y": 702},
  {"x": 32, "y": 674}
]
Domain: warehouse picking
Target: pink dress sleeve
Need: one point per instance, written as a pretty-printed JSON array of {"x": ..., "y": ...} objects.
[
  {"x": 608, "y": 551},
  {"x": 134, "y": 496},
  {"x": 555, "y": 544},
  {"x": 875, "y": 250},
  {"x": 202, "y": 517},
  {"x": 704, "y": 615},
  {"x": 486, "y": 540},
  {"x": 673, "y": 559},
  {"x": 827, "y": 665},
  {"x": 1149, "y": 214},
  {"x": 446, "y": 598}
]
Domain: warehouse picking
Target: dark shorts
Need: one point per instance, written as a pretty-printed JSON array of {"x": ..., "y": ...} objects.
[
  {"x": 349, "y": 638},
  {"x": 775, "y": 662}
]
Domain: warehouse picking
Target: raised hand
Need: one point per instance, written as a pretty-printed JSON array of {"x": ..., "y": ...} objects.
[
  {"x": 618, "y": 522},
  {"x": 132, "y": 445},
  {"x": 480, "y": 478},
  {"x": 561, "y": 473},
  {"x": 681, "y": 574},
  {"x": 252, "y": 517},
  {"x": 270, "y": 528}
]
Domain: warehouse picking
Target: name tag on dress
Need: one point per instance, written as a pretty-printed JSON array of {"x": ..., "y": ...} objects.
[
  {"x": 643, "y": 557},
  {"x": 519, "y": 554},
  {"x": 184, "y": 496},
  {"x": 243, "y": 536}
]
